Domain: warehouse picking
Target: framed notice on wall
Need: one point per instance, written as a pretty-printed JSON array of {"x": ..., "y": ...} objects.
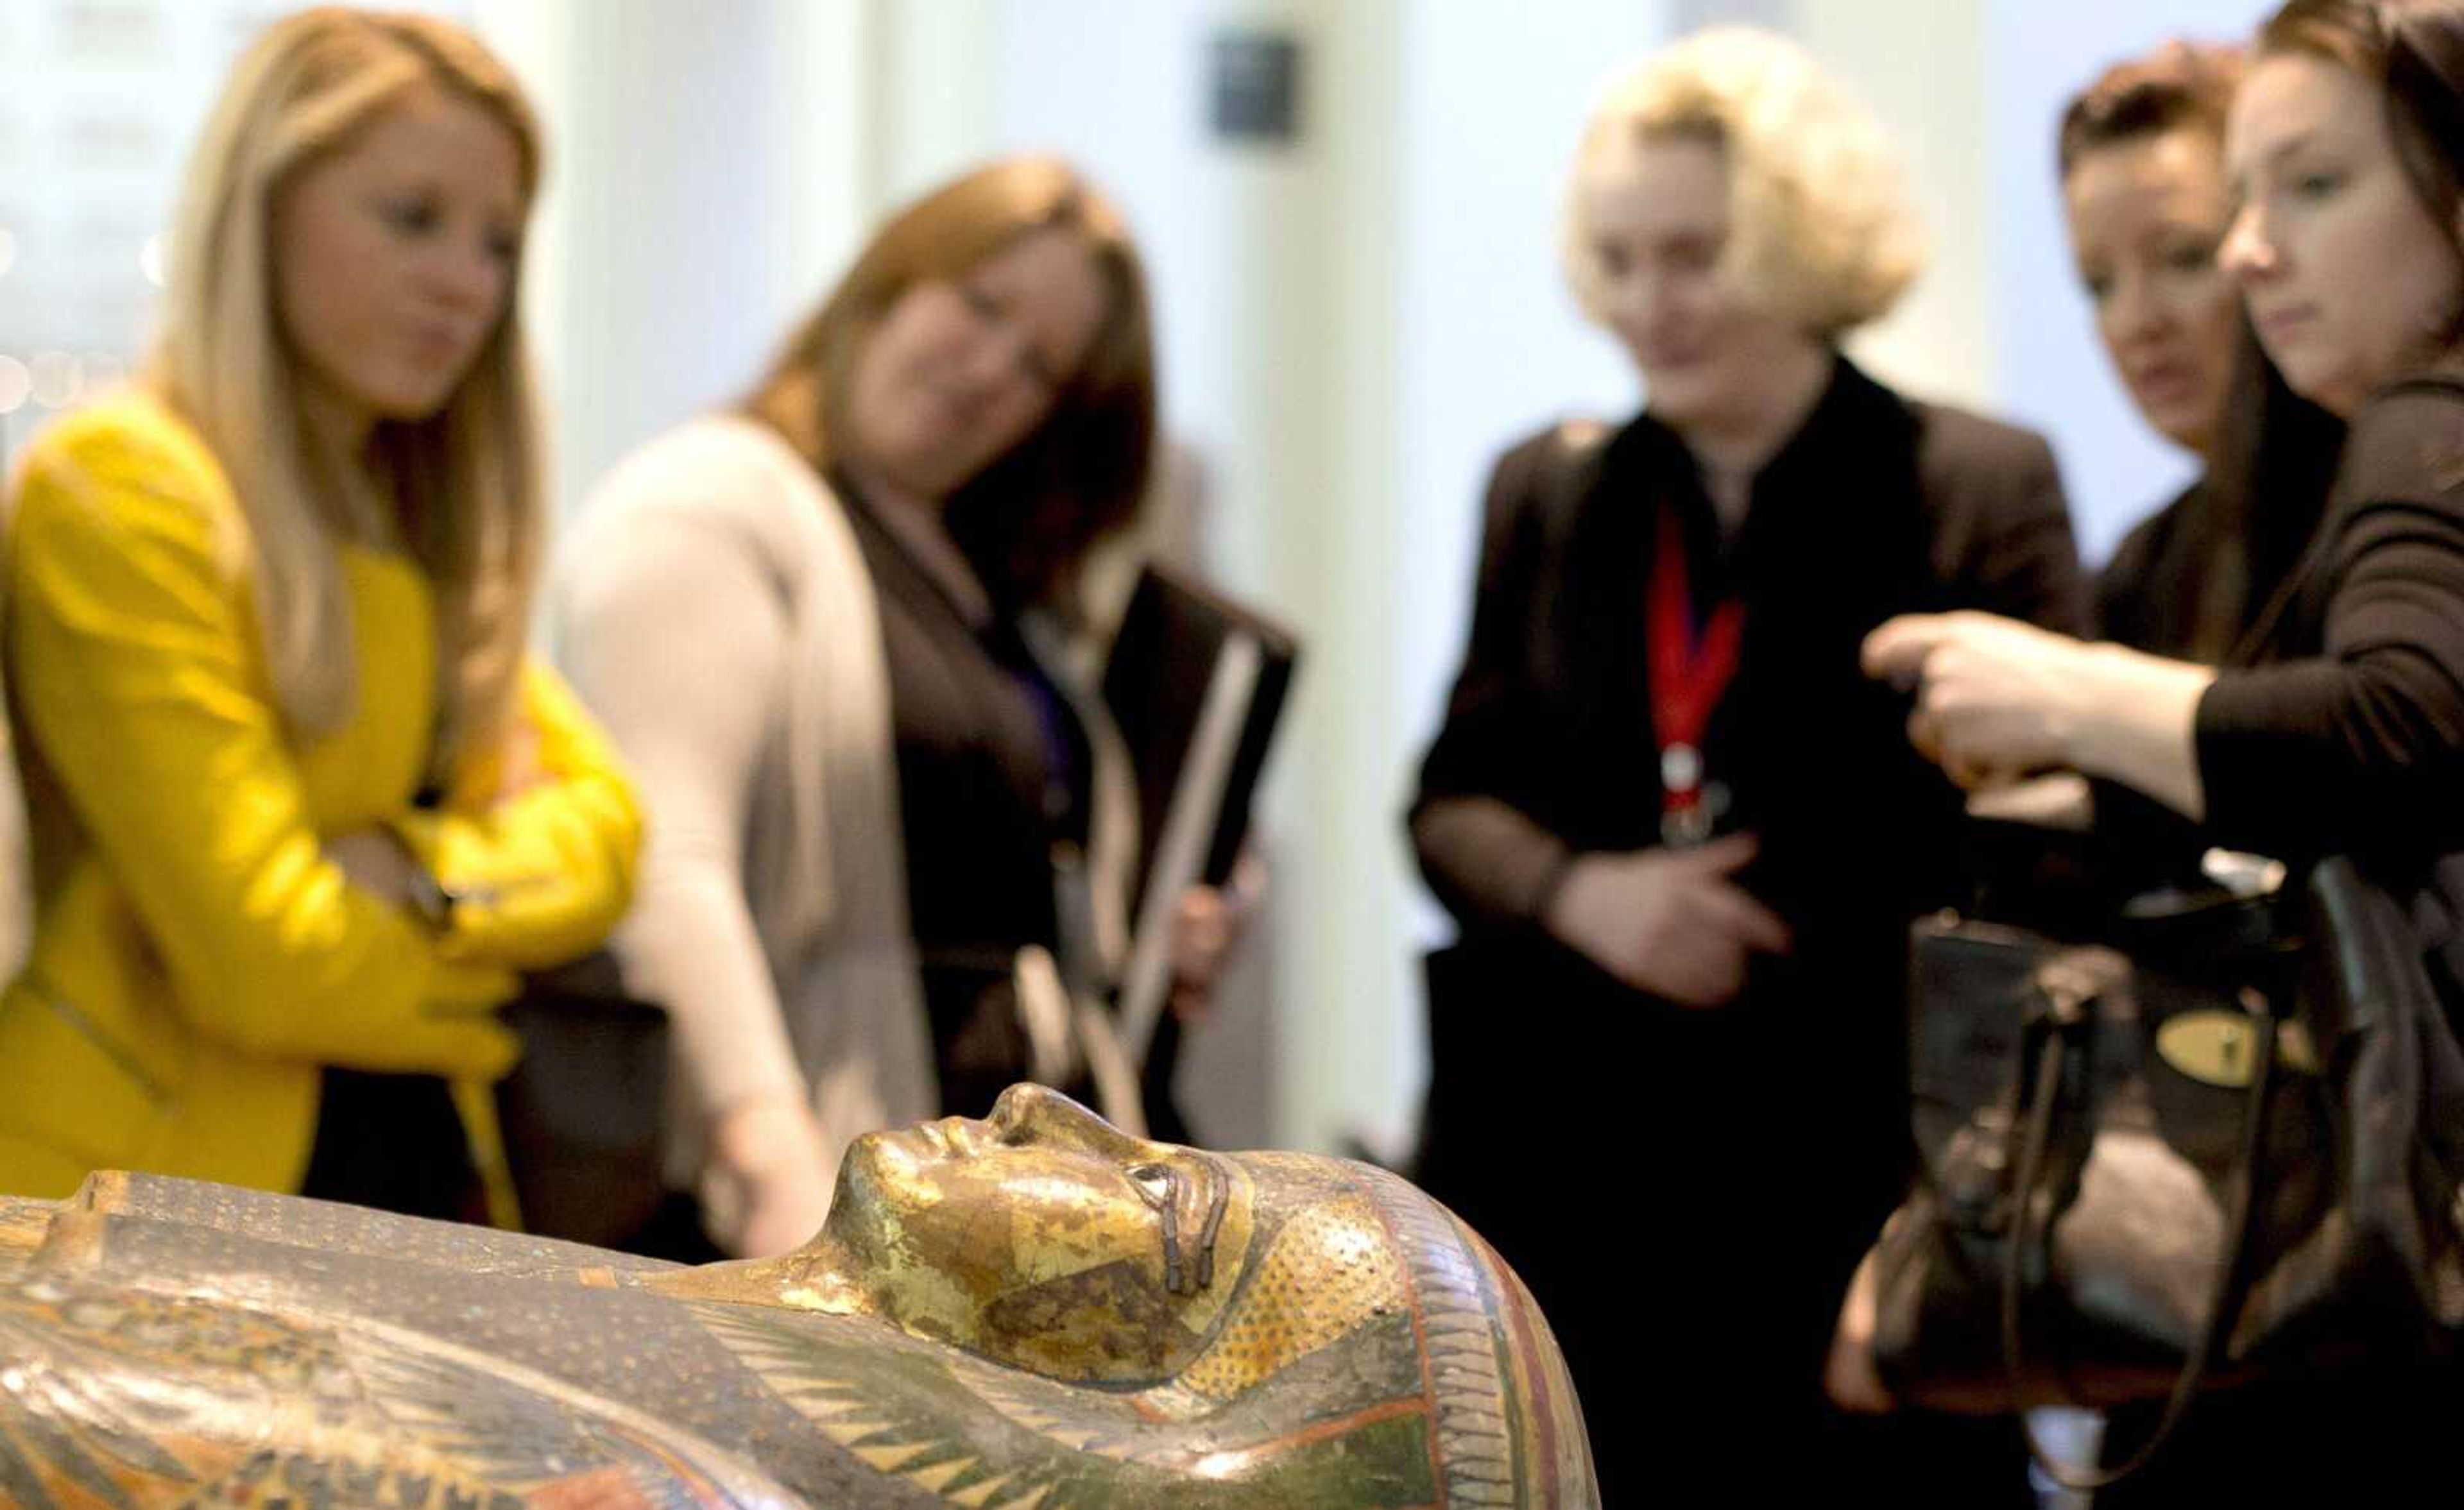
[{"x": 100, "y": 101}]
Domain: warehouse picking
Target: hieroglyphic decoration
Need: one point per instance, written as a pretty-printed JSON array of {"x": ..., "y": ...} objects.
[
  {"x": 128, "y": 1398},
  {"x": 22, "y": 1225},
  {"x": 1327, "y": 1272},
  {"x": 1509, "y": 1428},
  {"x": 164, "y": 1342}
]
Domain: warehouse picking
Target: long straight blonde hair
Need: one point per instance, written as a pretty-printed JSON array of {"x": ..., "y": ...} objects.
[{"x": 464, "y": 480}]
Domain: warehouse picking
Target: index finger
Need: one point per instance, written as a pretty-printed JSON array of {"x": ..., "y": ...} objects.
[
  {"x": 1724, "y": 855},
  {"x": 1896, "y": 651},
  {"x": 1746, "y": 920}
]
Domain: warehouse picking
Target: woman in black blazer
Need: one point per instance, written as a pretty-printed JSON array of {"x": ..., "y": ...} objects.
[
  {"x": 2341, "y": 728},
  {"x": 1682, "y": 835}
]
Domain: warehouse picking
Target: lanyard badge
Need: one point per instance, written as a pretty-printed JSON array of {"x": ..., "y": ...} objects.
[{"x": 1688, "y": 674}]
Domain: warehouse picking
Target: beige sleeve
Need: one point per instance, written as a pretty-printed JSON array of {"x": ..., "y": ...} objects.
[{"x": 675, "y": 634}]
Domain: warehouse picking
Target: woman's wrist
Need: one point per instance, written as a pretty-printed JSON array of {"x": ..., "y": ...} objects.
[
  {"x": 1549, "y": 895},
  {"x": 2134, "y": 719},
  {"x": 763, "y": 1132}
]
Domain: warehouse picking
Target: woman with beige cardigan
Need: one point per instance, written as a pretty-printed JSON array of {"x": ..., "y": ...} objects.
[{"x": 889, "y": 830}]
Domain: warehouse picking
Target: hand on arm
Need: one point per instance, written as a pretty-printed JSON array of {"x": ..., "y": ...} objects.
[
  {"x": 1672, "y": 922},
  {"x": 374, "y": 861},
  {"x": 523, "y": 765},
  {"x": 132, "y": 657},
  {"x": 1207, "y": 926},
  {"x": 2062, "y": 801},
  {"x": 541, "y": 839},
  {"x": 763, "y": 1190},
  {"x": 1849, "y": 1375},
  {"x": 1999, "y": 700}
]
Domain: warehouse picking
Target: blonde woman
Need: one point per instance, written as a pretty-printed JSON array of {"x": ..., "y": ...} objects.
[
  {"x": 1680, "y": 834},
  {"x": 300, "y": 806}
]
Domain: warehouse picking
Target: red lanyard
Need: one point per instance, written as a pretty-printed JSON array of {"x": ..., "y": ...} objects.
[{"x": 1688, "y": 676}]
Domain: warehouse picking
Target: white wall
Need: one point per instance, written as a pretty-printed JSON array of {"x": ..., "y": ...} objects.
[
  {"x": 1494, "y": 99},
  {"x": 935, "y": 73},
  {"x": 704, "y": 182},
  {"x": 1491, "y": 348},
  {"x": 1350, "y": 325},
  {"x": 1277, "y": 315},
  {"x": 1907, "y": 61}
]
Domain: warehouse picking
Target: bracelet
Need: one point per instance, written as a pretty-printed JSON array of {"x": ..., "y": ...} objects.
[
  {"x": 433, "y": 901},
  {"x": 1552, "y": 880}
]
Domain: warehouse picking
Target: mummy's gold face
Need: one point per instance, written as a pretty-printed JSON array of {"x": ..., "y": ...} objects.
[{"x": 1044, "y": 1238}]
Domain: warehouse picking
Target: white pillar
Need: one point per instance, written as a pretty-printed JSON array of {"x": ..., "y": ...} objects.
[
  {"x": 1919, "y": 65},
  {"x": 1492, "y": 346},
  {"x": 706, "y": 176},
  {"x": 1273, "y": 265}
]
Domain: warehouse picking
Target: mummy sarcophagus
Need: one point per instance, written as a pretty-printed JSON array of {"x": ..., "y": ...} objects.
[{"x": 1029, "y": 1312}]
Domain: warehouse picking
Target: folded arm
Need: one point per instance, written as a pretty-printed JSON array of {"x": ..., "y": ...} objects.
[{"x": 132, "y": 653}]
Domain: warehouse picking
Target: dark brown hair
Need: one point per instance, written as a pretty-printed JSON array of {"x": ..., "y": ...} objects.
[
  {"x": 2181, "y": 84},
  {"x": 2265, "y": 491},
  {"x": 2276, "y": 457},
  {"x": 1030, "y": 517},
  {"x": 2412, "y": 51}
]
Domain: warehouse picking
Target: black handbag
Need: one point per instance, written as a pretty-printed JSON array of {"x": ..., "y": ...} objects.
[
  {"x": 580, "y": 1111},
  {"x": 2223, "y": 1141}
]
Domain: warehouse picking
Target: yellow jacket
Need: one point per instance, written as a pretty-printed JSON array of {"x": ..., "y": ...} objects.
[{"x": 196, "y": 956}]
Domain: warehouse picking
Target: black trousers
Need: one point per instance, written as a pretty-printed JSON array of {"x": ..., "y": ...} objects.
[
  {"x": 2381, "y": 1437},
  {"x": 1686, "y": 1195},
  {"x": 393, "y": 1143}
]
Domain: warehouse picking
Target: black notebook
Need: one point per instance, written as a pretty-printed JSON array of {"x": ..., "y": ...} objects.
[{"x": 1195, "y": 682}]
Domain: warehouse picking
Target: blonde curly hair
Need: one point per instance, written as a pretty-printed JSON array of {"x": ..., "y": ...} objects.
[{"x": 1820, "y": 229}]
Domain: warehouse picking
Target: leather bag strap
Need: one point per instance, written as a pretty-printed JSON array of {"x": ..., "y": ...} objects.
[{"x": 2052, "y": 1039}]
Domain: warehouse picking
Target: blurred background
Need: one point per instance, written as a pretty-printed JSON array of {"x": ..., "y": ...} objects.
[{"x": 1348, "y": 210}]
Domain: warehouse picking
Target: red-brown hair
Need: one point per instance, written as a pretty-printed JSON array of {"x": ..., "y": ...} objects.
[{"x": 1029, "y": 517}]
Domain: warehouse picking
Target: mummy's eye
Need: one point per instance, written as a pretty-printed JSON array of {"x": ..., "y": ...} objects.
[{"x": 1154, "y": 1182}]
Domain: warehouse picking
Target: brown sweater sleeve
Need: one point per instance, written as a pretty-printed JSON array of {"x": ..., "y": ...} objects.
[{"x": 2359, "y": 743}]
